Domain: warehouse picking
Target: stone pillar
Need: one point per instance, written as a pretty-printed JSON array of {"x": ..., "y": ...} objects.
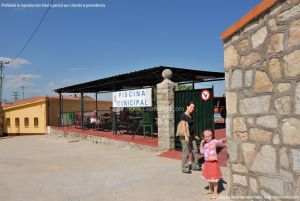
[
  {"x": 262, "y": 76},
  {"x": 165, "y": 111}
]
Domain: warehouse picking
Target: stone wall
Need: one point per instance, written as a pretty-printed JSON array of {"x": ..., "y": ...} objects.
[
  {"x": 262, "y": 73},
  {"x": 76, "y": 135}
]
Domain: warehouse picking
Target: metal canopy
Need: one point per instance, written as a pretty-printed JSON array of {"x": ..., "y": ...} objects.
[{"x": 142, "y": 78}]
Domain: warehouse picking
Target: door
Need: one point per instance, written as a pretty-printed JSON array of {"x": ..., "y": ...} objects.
[{"x": 203, "y": 114}]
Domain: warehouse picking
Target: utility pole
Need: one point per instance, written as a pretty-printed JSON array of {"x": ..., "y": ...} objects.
[
  {"x": 23, "y": 87},
  {"x": 15, "y": 95},
  {"x": 1, "y": 78},
  {"x": 1, "y": 88}
]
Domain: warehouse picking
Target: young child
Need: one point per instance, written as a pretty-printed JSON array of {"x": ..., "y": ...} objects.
[{"x": 211, "y": 171}]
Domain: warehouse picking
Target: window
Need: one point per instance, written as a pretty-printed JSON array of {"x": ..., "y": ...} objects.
[
  {"x": 7, "y": 121},
  {"x": 26, "y": 122},
  {"x": 36, "y": 122},
  {"x": 17, "y": 122}
]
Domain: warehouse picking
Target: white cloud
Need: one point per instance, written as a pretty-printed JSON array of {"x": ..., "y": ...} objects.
[
  {"x": 16, "y": 81},
  {"x": 37, "y": 91},
  {"x": 66, "y": 81},
  {"x": 14, "y": 63},
  {"x": 76, "y": 69},
  {"x": 51, "y": 84},
  {"x": 50, "y": 87}
]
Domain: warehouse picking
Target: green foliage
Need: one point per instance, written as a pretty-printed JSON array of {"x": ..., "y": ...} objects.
[{"x": 184, "y": 87}]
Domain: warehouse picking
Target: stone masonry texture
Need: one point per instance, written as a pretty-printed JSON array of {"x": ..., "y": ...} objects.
[
  {"x": 165, "y": 111},
  {"x": 262, "y": 67}
]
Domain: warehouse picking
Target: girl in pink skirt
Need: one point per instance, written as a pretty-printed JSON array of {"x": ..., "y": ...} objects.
[{"x": 211, "y": 171}]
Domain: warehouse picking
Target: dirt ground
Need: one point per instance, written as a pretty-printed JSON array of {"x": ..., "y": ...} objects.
[{"x": 45, "y": 168}]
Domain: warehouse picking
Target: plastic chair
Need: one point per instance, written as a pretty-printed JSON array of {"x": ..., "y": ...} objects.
[
  {"x": 87, "y": 122},
  {"x": 69, "y": 117},
  {"x": 120, "y": 126},
  {"x": 147, "y": 122},
  {"x": 77, "y": 121}
]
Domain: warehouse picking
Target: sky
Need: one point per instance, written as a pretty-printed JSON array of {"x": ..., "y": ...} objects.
[{"x": 77, "y": 44}]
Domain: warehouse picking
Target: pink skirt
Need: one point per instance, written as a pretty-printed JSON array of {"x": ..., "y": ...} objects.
[{"x": 211, "y": 171}]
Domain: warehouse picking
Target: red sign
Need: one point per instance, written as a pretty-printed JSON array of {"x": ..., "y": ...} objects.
[{"x": 205, "y": 95}]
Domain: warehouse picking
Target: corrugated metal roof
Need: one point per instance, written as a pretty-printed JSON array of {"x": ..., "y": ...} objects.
[{"x": 142, "y": 78}]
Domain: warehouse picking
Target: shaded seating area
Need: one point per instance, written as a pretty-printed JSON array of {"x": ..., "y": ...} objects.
[
  {"x": 140, "y": 80},
  {"x": 121, "y": 127},
  {"x": 86, "y": 122},
  {"x": 123, "y": 123},
  {"x": 133, "y": 122},
  {"x": 142, "y": 123},
  {"x": 104, "y": 122},
  {"x": 146, "y": 124},
  {"x": 90, "y": 120}
]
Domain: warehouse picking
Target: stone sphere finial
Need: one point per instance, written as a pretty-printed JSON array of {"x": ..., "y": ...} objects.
[{"x": 167, "y": 74}]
